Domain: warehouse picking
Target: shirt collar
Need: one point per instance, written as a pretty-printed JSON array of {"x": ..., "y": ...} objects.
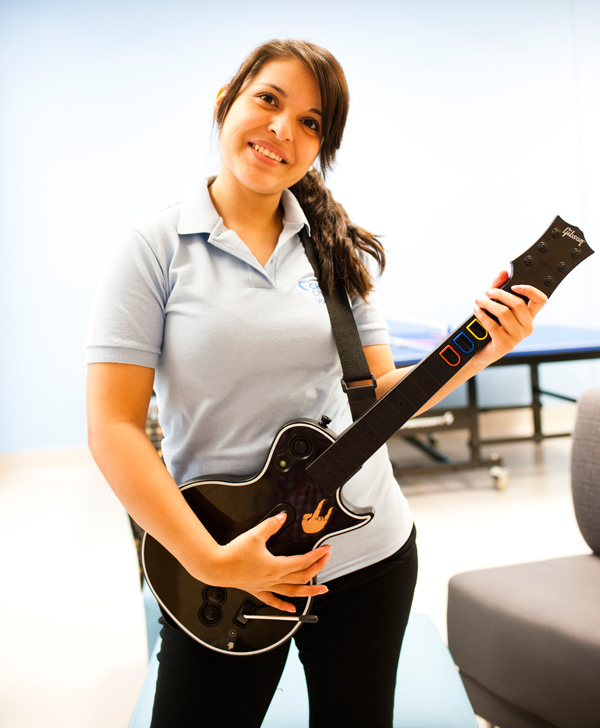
[{"x": 198, "y": 214}]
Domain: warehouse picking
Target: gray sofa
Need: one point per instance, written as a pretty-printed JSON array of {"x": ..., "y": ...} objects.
[{"x": 526, "y": 638}]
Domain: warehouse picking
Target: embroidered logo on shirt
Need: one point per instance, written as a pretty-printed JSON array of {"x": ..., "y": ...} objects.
[{"x": 313, "y": 287}]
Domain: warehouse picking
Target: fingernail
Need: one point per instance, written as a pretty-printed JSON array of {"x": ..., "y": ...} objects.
[
  {"x": 282, "y": 516},
  {"x": 323, "y": 590},
  {"x": 291, "y": 609}
]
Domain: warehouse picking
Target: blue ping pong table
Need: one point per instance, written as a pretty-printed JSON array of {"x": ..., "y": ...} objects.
[{"x": 412, "y": 342}]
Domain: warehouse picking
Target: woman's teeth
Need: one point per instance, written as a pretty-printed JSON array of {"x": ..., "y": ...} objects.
[{"x": 267, "y": 153}]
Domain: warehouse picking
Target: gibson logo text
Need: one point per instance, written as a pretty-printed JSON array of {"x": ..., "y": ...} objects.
[{"x": 571, "y": 233}]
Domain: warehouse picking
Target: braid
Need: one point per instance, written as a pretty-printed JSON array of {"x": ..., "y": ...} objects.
[{"x": 338, "y": 241}]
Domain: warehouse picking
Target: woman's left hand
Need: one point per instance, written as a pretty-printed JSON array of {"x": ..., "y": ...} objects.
[{"x": 515, "y": 317}]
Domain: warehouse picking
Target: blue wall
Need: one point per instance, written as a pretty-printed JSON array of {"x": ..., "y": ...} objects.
[{"x": 472, "y": 125}]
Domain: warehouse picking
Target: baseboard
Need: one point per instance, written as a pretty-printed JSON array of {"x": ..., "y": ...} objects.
[{"x": 38, "y": 459}]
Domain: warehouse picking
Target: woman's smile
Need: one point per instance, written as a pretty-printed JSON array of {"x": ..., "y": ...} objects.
[{"x": 267, "y": 152}]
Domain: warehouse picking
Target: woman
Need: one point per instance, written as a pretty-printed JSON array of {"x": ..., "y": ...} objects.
[{"x": 211, "y": 303}]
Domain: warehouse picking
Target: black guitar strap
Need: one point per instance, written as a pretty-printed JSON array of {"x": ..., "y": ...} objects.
[{"x": 354, "y": 363}]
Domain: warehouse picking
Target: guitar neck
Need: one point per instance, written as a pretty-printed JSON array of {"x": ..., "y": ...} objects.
[
  {"x": 362, "y": 439},
  {"x": 545, "y": 265}
]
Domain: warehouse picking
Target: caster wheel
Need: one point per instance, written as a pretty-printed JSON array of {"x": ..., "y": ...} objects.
[{"x": 500, "y": 476}]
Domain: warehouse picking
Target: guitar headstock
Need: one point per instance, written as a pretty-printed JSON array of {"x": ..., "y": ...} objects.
[{"x": 549, "y": 260}]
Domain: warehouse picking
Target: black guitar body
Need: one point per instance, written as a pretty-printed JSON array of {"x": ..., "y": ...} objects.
[{"x": 215, "y": 616}]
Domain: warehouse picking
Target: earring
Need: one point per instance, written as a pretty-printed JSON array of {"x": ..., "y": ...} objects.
[{"x": 311, "y": 168}]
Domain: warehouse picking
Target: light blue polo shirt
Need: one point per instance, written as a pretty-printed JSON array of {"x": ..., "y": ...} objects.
[{"x": 239, "y": 351}]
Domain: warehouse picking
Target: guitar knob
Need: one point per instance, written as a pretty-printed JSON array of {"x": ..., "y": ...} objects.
[
  {"x": 562, "y": 267},
  {"x": 210, "y": 615},
  {"x": 575, "y": 253},
  {"x": 549, "y": 281},
  {"x": 542, "y": 247},
  {"x": 215, "y": 594},
  {"x": 529, "y": 260},
  {"x": 301, "y": 447}
]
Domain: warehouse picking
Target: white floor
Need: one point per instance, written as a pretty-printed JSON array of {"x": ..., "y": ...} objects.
[{"x": 72, "y": 635}]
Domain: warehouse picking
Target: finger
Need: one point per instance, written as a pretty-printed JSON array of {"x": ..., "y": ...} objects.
[
  {"x": 502, "y": 327},
  {"x": 518, "y": 297},
  {"x": 500, "y": 279},
  {"x": 298, "y": 562},
  {"x": 304, "y": 591},
  {"x": 301, "y": 590},
  {"x": 524, "y": 309},
  {"x": 499, "y": 302},
  {"x": 305, "y": 575},
  {"x": 301, "y": 562},
  {"x": 537, "y": 299},
  {"x": 507, "y": 331},
  {"x": 266, "y": 529},
  {"x": 489, "y": 323},
  {"x": 273, "y": 601},
  {"x": 491, "y": 308}
]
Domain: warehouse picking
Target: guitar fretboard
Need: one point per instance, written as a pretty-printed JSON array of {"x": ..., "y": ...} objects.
[{"x": 363, "y": 438}]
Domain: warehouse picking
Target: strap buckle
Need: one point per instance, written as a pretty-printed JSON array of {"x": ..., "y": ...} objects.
[{"x": 361, "y": 393}]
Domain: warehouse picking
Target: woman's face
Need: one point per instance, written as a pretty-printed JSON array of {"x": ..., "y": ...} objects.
[{"x": 272, "y": 132}]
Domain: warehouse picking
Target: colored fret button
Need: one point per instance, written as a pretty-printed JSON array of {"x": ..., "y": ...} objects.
[
  {"x": 477, "y": 330},
  {"x": 464, "y": 343},
  {"x": 450, "y": 356}
]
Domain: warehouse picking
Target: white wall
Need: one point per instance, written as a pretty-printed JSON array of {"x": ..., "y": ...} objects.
[{"x": 473, "y": 123}]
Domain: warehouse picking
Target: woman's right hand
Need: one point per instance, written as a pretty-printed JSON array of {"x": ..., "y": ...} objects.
[
  {"x": 246, "y": 563},
  {"x": 118, "y": 399}
]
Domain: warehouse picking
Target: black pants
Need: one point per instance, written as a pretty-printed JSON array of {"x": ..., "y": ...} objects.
[{"x": 350, "y": 658}]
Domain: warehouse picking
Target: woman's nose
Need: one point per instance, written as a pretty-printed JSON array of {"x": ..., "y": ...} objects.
[{"x": 281, "y": 126}]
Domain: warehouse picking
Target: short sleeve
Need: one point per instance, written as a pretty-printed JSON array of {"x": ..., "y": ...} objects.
[
  {"x": 127, "y": 319},
  {"x": 369, "y": 316}
]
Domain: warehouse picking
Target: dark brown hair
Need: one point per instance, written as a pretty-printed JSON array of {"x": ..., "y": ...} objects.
[{"x": 339, "y": 242}]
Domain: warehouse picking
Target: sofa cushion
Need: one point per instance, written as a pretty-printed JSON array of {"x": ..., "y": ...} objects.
[
  {"x": 585, "y": 468},
  {"x": 530, "y": 633}
]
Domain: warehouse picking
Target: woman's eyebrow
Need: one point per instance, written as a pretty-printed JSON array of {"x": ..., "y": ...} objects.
[{"x": 284, "y": 94}]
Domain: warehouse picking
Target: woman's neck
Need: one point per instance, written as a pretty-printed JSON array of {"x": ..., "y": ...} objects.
[
  {"x": 242, "y": 207},
  {"x": 256, "y": 218}
]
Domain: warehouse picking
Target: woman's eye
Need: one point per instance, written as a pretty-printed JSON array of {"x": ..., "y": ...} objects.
[
  {"x": 312, "y": 124},
  {"x": 269, "y": 98}
]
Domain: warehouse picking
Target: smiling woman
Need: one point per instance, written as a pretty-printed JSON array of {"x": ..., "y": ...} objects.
[{"x": 213, "y": 304}]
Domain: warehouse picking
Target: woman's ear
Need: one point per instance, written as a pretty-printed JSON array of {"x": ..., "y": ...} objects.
[{"x": 220, "y": 96}]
